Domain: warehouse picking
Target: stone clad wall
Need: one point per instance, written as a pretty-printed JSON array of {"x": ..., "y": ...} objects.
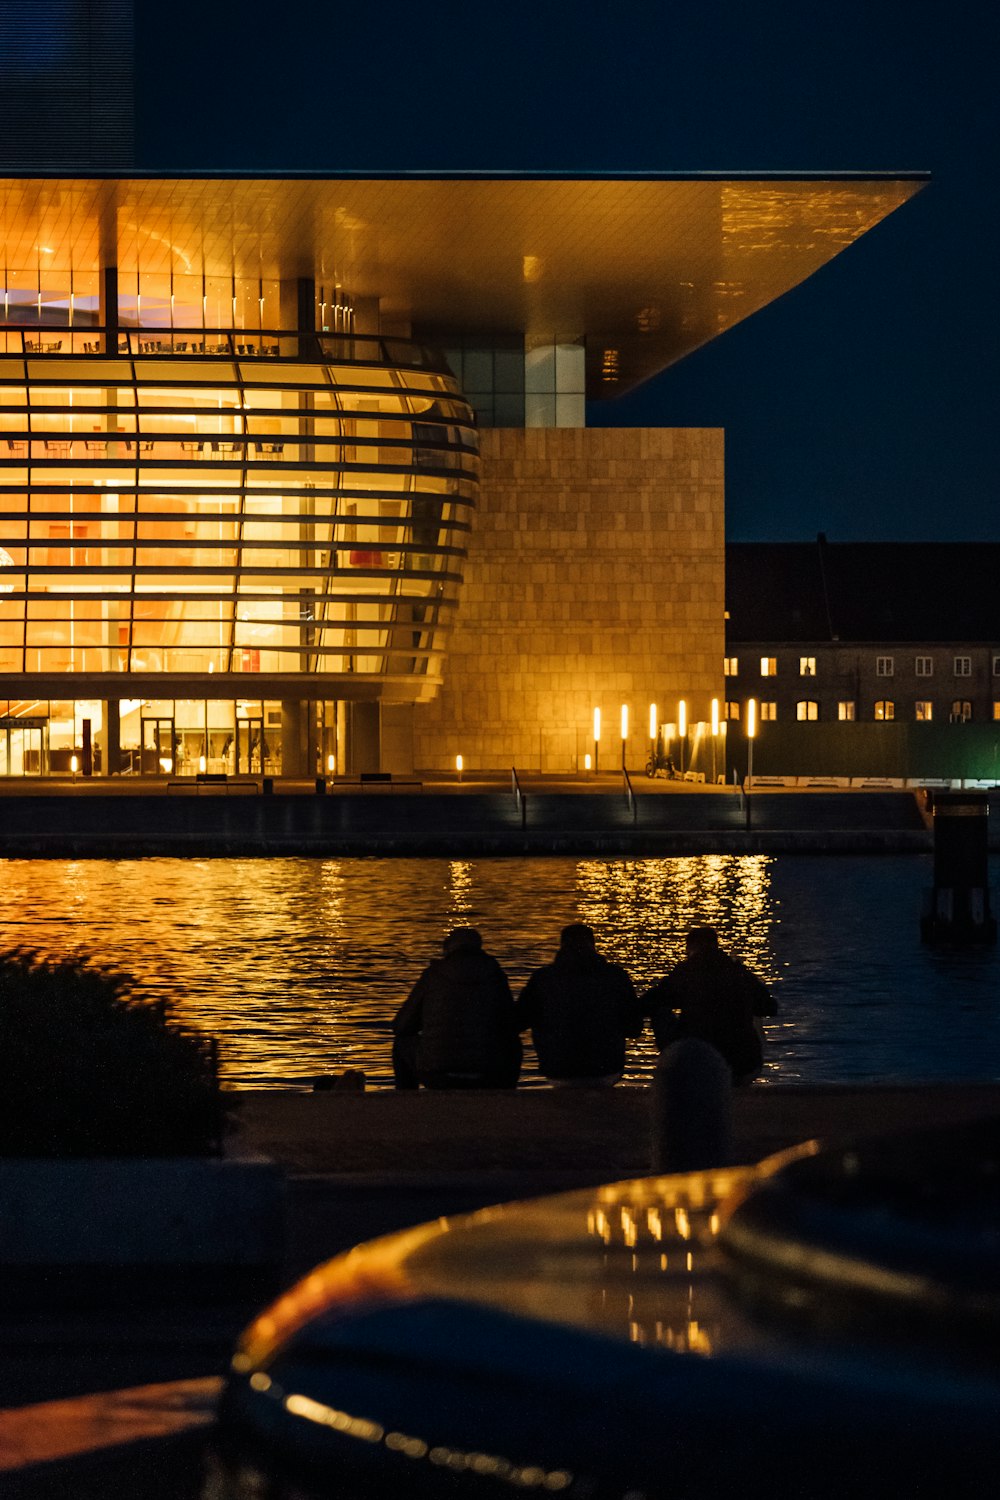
[{"x": 595, "y": 576}]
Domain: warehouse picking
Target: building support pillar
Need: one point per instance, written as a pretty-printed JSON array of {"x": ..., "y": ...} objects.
[
  {"x": 296, "y": 759},
  {"x": 364, "y": 738},
  {"x": 111, "y": 756}
]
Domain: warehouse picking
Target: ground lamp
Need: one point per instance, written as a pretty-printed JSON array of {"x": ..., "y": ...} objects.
[
  {"x": 459, "y": 764},
  {"x": 624, "y": 731},
  {"x": 597, "y": 738},
  {"x": 654, "y": 735},
  {"x": 715, "y": 738},
  {"x": 751, "y": 736},
  {"x": 682, "y": 728}
]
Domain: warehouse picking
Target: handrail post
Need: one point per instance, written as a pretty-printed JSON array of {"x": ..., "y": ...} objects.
[{"x": 633, "y": 806}]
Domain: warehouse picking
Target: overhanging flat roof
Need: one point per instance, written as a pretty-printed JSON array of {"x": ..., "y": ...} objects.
[{"x": 650, "y": 267}]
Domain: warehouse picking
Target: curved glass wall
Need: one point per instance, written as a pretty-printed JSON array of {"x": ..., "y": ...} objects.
[{"x": 225, "y": 502}]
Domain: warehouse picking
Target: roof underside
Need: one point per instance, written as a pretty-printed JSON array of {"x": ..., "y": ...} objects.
[
  {"x": 648, "y": 267},
  {"x": 862, "y": 591}
]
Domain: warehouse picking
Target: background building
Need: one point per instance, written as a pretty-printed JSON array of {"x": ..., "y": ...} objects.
[{"x": 861, "y": 656}]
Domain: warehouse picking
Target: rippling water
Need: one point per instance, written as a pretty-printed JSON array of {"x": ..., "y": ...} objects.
[{"x": 298, "y": 965}]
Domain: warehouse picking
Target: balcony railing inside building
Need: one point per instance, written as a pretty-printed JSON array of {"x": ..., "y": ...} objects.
[{"x": 212, "y": 500}]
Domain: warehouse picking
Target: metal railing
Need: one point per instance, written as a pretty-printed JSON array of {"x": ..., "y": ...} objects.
[{"x": 520, "y": 801}]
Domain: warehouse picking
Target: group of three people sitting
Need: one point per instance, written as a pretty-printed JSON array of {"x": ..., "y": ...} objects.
[{"x": 460, "y": 1027}]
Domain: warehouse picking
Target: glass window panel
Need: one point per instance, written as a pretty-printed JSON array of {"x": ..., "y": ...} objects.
[
  {"x": 12, "y": 369},
  {"x": 184, "y": 370},
  {"x": 570, "y": 368},
  {"x": 508, "y": 370},
  {"x": 286, "y": 374},
  {"x": 508, "y": 411},
  {"x": 571, "y": 411},
  {"x": 539, "y": 411},
  {"x": 477, "y": 372},
  {"x": 540, "y": 371}
]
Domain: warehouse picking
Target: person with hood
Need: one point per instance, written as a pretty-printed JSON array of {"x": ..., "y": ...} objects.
[
  {"x": 456, "y": 1029},
  {"x": 580, "y": 1009},
  {"x": 714, "y": 997}
]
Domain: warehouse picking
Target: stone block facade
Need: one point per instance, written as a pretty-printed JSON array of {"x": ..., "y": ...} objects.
[{"x": 595, "y": 577}]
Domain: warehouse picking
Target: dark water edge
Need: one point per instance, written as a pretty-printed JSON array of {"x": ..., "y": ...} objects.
[{"x": 298, "y": 964}]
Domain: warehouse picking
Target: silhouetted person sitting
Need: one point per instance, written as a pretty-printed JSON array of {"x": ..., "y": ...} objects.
[
  {"x": 711, "y": 996},
  {"x": 580, "y": 1009},
  {"x": 456, "y": 1029}
]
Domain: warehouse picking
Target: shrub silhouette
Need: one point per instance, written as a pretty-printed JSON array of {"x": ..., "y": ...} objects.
[{"x": 89, "y": 1067}]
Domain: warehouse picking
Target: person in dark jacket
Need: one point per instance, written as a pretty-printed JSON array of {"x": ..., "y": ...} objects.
[
  {"x": 712, "y": 996},
  {"x": 456, "y": 1029},
  {"x": 580, "y": 1009}
]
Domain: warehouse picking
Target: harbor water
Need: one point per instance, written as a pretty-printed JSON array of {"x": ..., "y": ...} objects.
[{"x": 297, "y": 965}]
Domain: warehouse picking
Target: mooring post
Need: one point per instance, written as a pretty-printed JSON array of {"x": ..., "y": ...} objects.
[
  {"x": 692, "y": 1108},
  {"x": 957, "y": 909}
]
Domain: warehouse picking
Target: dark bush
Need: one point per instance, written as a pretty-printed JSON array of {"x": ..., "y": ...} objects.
[{"x": 89, "y": 1067}]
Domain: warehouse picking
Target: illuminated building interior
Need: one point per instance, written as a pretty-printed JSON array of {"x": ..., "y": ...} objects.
[{"x": 238, "y": 448}]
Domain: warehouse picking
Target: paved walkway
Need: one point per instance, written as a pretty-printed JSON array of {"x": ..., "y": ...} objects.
[{"x": 100, "y": 1401}]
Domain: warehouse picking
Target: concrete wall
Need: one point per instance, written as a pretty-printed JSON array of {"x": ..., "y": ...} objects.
[{"x": 595, "y": 576}]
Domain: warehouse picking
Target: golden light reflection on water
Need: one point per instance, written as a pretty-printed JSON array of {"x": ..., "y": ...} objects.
[{"x": 299, "y": 965}]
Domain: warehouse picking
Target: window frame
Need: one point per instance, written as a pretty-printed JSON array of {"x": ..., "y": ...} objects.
[
  {"x": 730, "y": 666},
  {"x": 888, "y": 707},
  {"x": 807, "y": 717},
  {"x": 923, "y": 703},
  {"x": 923, "y": 666},
  {"x": 768, "y": 710},
  {"x": 845, "y": 703},
  {"x": 807, "y": 666},
  {"x": 769, "y": 666},
  {"x": 963, "y": 666},
  {"x": 885, "y": 666}
]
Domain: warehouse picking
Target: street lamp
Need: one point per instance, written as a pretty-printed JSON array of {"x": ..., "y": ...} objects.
[
  {"x": 682, "y": 728},
  {"x": 597, "y": 739},
  {"x": 624, "y": 731},
  {"x": 654, "y": 738}
]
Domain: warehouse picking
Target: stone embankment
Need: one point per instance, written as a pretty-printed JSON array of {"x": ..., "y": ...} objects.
[{"x": 252, "y": 819}]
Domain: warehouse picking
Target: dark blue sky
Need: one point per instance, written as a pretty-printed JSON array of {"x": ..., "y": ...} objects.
[{"x": 864, "y": 403}]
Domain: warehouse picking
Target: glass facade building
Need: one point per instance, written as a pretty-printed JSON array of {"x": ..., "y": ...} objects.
[{"x": 239, "y": 452}]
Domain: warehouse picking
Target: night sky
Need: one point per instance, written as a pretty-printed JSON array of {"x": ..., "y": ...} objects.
[{"x": 862, "y": 404}]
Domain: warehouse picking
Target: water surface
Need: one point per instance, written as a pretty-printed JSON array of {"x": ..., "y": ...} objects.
[{"x": 298, "y": 965}]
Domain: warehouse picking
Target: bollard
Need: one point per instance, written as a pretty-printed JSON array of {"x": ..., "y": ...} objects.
[
  {"x": 957, "y": 909},
  {"x": 267, "y": 786},
  {"x": 692, "y": 1108},
  {"x": 321, "y": 786}
]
